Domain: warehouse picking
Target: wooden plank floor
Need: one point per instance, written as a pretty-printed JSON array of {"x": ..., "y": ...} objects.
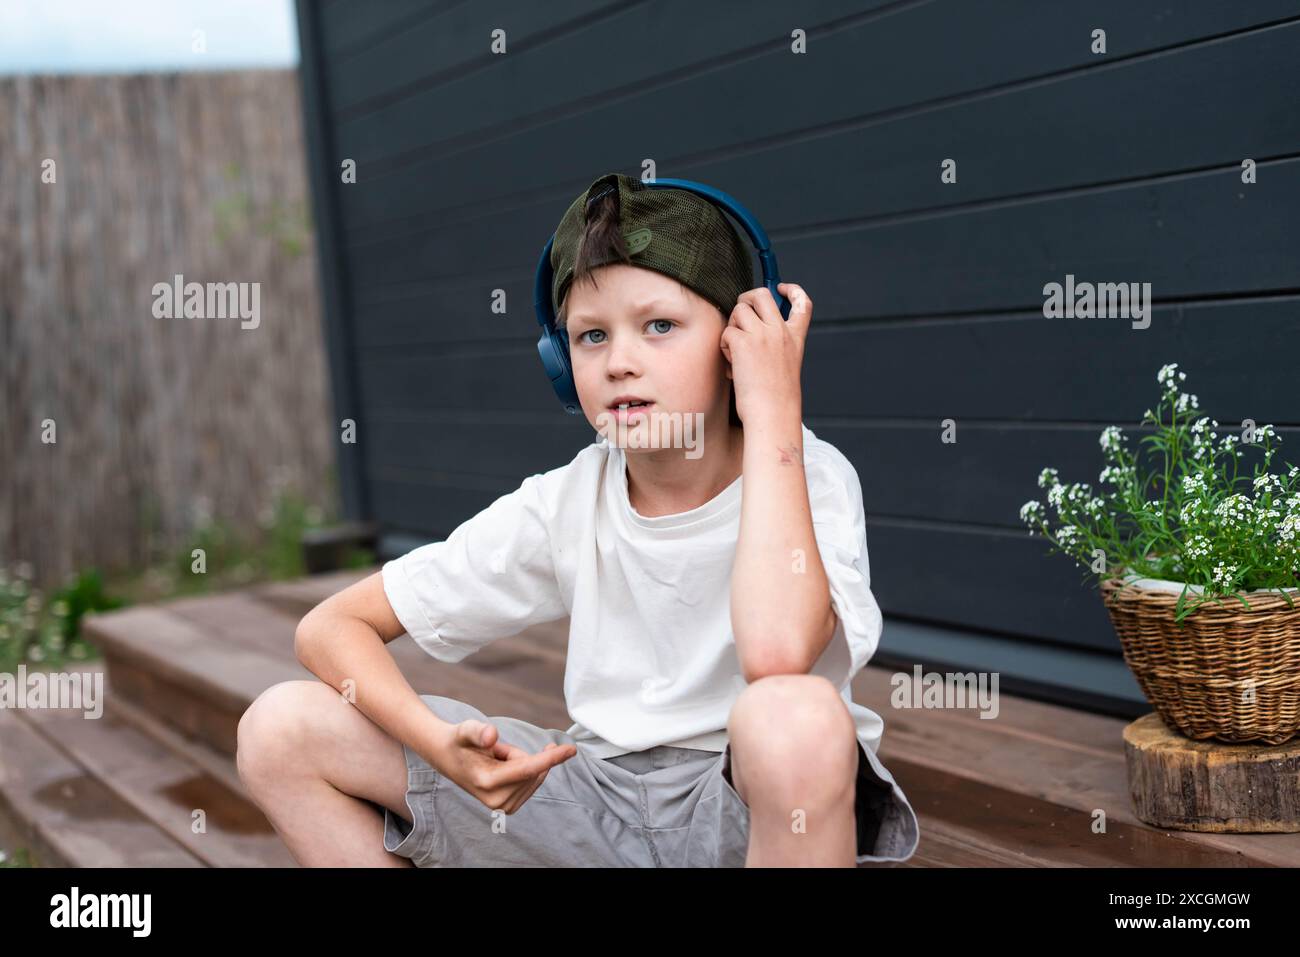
[{"x": 1022, "y": 790}]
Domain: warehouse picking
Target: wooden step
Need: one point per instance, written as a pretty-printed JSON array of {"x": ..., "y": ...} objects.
[
  {"x": 67, "y": 817},
  {"x": 1042, "y": 770},
  {"x": 194, "y": 681},
  {"x": 1013, "y": 829},
  {"x": 195, "y": 750},
  {"x": 166, "y": 788}
]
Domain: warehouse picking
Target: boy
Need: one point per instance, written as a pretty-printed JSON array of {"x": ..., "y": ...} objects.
[{"x": 713, "y": 632}]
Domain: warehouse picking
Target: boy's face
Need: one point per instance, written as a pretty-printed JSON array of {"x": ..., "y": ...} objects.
[{"x": 644, "y": 334}]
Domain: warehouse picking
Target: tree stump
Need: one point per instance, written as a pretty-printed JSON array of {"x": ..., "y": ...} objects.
[{"x": 1177, "y": 782}]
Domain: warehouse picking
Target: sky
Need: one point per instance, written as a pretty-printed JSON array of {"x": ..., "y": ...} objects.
[{"x": 137, "y": 36}]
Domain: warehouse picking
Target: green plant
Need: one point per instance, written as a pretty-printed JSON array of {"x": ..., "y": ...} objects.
[
  {"x": 289, "y": 517},
  {"x": 20, "y": 858},
  {"x": 46, "y": 631},
  {"x": 272, "y": 553},
  {"x": 84, "y": 593},
  {"x": 1192, "y": 517},
  {"x": 287, "y": 224}
]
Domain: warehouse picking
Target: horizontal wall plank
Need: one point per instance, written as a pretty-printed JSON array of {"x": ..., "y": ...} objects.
[
  {"x": 992, "y": 581},
  {"x": 348, "y": 28}
]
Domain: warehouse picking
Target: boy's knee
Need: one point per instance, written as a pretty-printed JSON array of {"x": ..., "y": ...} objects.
[
  {"x": 273, "y": 726},
  {"x": 770, "y": 703},
  {"x": 793, "y": 719}
]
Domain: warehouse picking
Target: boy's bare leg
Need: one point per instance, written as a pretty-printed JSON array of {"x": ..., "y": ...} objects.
[
  {"x": 794, "y": 759},
  {"x": 308, "y": 758}
]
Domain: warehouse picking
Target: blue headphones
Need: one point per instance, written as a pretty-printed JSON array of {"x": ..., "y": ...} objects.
[{"x": 553, "y": 345}]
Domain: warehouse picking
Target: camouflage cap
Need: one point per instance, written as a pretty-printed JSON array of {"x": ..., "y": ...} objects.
[{"x": 672, "y": 231}]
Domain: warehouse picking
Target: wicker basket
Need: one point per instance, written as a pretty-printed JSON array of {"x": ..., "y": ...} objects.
[{"x": 1198, "y": 676}]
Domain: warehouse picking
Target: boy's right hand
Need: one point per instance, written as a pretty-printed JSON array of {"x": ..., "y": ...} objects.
[{"x": 500, "y": 775}]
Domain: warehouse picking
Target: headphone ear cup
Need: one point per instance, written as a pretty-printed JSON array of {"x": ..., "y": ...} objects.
[
  {"x": 562, "y": 344},
  {"x": 570, "y": 386},
  {"x": 553, "y": 348}
]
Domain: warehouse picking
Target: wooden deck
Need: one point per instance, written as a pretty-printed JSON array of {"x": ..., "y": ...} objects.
[{"x": 1021, "y": 790}]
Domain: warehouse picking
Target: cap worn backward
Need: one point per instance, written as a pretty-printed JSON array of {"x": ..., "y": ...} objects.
[{"x": 672, "y": 231}]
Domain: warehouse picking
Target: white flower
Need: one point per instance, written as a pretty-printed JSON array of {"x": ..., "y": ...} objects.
[
  {"x": 1077, "y": 491},
  {"x": 1264, "y": 516},
  {"x": 1185, "y": 401},
  {"x": 1235, "y": 510},
  {"x": 1202, "y": 438},
  {"x": 1111, "y": 438},
  {"x": 1286, "y": 532},
  {"x": 1067, "y": 536},
  {"x": 1263, "y": 482},
  {"x": 1047, "y": 477},
  {"x": 1198, "y": 546},
  {"x": 1031, "y": 511},
  {"x": 1166, "y": 377},
  {"x": 1223, "y": 574}
]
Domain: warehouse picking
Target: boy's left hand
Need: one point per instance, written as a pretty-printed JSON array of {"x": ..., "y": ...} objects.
[{"x": 766, "y": 352}]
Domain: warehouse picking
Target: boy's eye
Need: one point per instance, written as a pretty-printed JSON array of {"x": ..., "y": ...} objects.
[{"x": 669, "y": 323}]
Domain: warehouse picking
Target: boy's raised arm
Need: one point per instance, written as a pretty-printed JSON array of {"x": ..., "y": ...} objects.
[{"x": 343, "y": 642}]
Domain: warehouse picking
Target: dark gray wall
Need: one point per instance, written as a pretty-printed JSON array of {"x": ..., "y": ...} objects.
[{"x": 1123, "y": 167}]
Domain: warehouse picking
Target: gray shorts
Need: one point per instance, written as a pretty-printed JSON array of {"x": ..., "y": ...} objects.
[{"x": 662, "y": 807}]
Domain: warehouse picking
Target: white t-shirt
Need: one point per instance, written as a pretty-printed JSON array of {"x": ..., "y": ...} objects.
[{"x": 651, "y": 656}]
